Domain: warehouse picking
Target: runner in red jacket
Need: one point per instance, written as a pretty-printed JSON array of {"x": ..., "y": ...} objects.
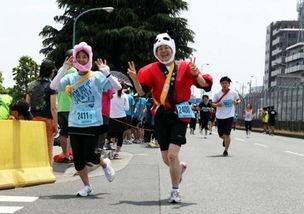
[{"x": 170, "y": 83}]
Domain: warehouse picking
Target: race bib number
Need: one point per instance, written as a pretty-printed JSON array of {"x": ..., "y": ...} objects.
[
  {"x": 86, "y": 116},
  {"x": 227, "y": 103},
  {"x": 184, "y": 110},
  {"x": 248, "y": 116}
]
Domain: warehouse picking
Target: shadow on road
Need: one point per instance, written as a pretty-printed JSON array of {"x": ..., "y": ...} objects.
[
  {"x": 217, "y": 156},
  {"x": 156, "y": 203},
  {"x": 61, "y": 167},
  {"x": 90, "y": 197}
]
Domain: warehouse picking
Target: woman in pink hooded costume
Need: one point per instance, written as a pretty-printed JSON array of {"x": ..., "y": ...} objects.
[{"x": 85, "y": 119}]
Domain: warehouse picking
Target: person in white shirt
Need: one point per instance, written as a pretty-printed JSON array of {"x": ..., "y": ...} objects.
[
  {"x": 225, "y": 101},
  {"x": 118, "y": 119},
  {"x": 248, "y": 116}
]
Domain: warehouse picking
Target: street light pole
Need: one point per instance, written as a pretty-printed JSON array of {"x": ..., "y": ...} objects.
[{"x": 107, "y": 9}]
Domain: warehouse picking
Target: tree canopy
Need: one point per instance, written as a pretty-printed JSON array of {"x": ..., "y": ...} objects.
[
  {"x": 120, "y": 36},
  {"x": 2, "y": 89},
  {"x": 23, "y": 74}
]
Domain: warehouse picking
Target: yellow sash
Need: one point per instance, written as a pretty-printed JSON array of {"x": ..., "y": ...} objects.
[
  {"x": 68, "y": 88},
  {"x": 166, "y": 87}
]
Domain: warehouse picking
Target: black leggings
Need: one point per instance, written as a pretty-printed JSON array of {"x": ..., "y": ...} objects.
[
  {"x": 148, "y": 134},
  {"x": 248, "y": 125},
  {"x": 116, "y": 129},
  {"x": 83, "y": 148}
]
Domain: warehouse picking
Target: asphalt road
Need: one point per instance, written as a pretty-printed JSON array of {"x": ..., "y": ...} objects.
[{"x": 262, "y": 174}]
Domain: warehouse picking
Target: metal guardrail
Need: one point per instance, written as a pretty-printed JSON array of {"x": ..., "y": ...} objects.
[{"x": 287, "y": 100}]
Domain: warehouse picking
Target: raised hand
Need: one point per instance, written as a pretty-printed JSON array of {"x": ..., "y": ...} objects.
[
  {"x": 193, "y": 69},
  {"x": 69, "y": 60},
  {"x": 236, "y": 101},
  {"x": 102, "y": 66},
  {"x": 131, "y": 70}
]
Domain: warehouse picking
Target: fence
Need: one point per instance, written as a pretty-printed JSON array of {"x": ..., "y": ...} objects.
[{"x": 288, "y": 101}]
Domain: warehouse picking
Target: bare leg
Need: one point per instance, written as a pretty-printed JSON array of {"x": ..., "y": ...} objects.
[
  {"x": 84, "y": 175},
  {"x": 174, "y": 164},
  {"x": 117, "y": 149}
]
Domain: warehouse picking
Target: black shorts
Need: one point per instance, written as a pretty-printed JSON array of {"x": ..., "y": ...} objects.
[
  {"x": 169, "y": 129},
  {"x": 63, "y": 121},
  {"x": 271, "y": 122},
  {"x": 204, "y": 123},
  {"x": 224, "y": 126},
  {"x": 117, "y": 125}
]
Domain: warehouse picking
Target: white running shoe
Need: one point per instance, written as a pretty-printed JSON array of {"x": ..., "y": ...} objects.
[
  {"x": 109, "y": 171},
  {"x": 174, "y": 197},
  {"x": 116, "y": 156},
  {"x": 85, "y": 191}
]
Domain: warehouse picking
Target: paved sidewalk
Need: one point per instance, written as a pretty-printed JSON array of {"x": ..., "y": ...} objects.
[{"x": 66, "y": 171}]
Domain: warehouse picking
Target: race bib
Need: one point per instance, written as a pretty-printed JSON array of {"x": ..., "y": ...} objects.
[
  {"x": 248, "y": 116},
  {"x": 227, "y": 103},
  {"x": 184, "y": 110},
  {"x": 86, "y": 116}
]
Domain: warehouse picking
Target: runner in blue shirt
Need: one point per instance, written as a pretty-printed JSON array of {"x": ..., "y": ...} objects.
[{"x": 85, "y": 120}]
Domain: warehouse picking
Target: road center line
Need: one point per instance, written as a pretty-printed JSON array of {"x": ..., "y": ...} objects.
[
  {"x": 240, "y": 139},
  {"x": 262, "y": 145},
  {"x": 294, "y": 153},
  {"x": 7, "y": 198},
  {"x": 6, "y": 209}
]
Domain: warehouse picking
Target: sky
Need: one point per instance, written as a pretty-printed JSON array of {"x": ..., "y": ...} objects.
[{"x": 230, "y": 35}]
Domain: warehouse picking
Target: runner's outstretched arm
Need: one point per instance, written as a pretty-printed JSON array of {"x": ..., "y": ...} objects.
[
  {"x": 102, "y": 66},
  {"x": 68, "y": 63},
  {"x": 132, "y": 74}
]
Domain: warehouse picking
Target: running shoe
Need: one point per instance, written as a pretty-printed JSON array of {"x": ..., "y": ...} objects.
[
  {"x": 68, "y": 159},
  {"x": 109, "y": 171},
  {"x": 116, "y": 156},
  {"x": 225, "y": 153},
  {"x": 184, "y": 167},
  {"x": 109, "y": 146},
  {"x": 150, "y": 145},
  {"x": 175, "y": 197},
  {"x": 85, "y": 191}
]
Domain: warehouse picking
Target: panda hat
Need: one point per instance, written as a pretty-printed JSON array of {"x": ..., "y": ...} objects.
[{"x": 164, "y": 39}]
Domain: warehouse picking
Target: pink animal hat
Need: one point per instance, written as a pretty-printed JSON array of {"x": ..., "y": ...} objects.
[{"x": 82, "y": 46}]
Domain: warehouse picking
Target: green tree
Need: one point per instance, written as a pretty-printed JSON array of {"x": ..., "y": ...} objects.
[
  {"x": 23, "y": 74},
  {"x": 2, "y": 88},
  {"x": 121, "y": 35}
]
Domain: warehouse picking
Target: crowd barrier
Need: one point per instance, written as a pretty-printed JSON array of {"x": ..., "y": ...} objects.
[{"x": 24, "y": 154}]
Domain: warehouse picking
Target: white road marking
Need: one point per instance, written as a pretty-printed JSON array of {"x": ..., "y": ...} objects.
[
  {"x": 262, "y": 145},
  {"x": 240, "y": 139},
  {"x": 294, "y": 153},
  {"x": 6, "y": 209},
  {"x": 142, "y": 154},
  {"x": 17, "y": 198}
]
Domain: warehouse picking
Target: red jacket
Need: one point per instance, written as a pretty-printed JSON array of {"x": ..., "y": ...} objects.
[{"x": 152, "y": 77}]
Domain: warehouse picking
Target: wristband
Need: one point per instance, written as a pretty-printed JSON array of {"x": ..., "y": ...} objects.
[{"x": 108, "y": 75}]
